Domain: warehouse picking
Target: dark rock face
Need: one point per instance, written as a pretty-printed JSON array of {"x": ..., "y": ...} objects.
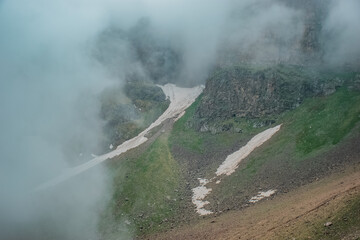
[{"x": 249, "y": 93}]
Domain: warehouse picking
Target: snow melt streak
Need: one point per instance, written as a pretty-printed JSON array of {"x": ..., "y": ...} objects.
[
  {"x": 180, "y": 99},
  {"x": 228, "y": 167},
  {"x": 231, "y": 163},
  {"x": 262, "y": 195}
]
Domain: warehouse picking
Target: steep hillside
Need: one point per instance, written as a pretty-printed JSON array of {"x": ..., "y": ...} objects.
[
  {"x": 325, "y": 209},
  {"x": 146, "y": 201},
  {"x": 303, "y": 150},
  {"x": 254, "y": 92}
]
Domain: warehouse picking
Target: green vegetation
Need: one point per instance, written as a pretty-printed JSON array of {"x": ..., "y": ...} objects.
[
  {"x": 315, "y": 126},
  {"x": 312, "y": 129},
  {"x": 185, "y": 136},
  {"x": 145, "y": 190},
  {"x": 305, "y": 124},
  {"x": 323, "y": 122}
]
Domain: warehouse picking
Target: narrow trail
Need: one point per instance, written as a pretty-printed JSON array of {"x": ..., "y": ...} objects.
[{"x": 180, "y": 100}]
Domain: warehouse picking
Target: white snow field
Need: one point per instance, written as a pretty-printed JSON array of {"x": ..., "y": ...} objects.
[{"x": 231, "y": 163}]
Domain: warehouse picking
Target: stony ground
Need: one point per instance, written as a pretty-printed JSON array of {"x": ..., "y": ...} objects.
[{"x": 292, "y": 215}]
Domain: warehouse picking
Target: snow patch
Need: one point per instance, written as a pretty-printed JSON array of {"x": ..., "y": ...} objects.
[
  {"x": 262, "y": 195},
  {"x": 231, "y": 163},
  {"x": 199, "y": 193}
]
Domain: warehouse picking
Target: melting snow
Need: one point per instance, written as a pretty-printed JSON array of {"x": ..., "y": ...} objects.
[
  {"x": 199, "y": 193},
  {"x": 262, "y": 195},
  {"x": 228, "y": 167},
  {"x": 231, "y": 163}
]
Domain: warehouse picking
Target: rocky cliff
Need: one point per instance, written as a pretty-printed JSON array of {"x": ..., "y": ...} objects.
[{"x": 244, "y": 92}]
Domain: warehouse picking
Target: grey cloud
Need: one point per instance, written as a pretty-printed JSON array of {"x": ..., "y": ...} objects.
[{"x": 341, "y": 33}]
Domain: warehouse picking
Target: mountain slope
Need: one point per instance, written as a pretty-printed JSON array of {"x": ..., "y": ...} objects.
[
  {"x": 302, "y": 152},
  {"x": 299, "y": 214}
]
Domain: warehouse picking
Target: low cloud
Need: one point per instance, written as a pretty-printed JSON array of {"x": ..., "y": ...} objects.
[{"x": 341, "y": 33}]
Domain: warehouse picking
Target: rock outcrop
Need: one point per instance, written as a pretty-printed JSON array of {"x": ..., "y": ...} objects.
[{"x": 242, "y": 92}]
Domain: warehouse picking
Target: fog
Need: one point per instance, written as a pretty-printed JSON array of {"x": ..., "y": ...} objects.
[
  {"x": 48, "y": 106},
  {"x": 341, "y": 33},
  {"x": 56, "y": 57}
]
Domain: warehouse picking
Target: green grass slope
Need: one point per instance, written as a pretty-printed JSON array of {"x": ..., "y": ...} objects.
[
  {"x": 145, "y": 195},
  {"x": 296, "y": 154},
  {"x": 184, "y": 135}
]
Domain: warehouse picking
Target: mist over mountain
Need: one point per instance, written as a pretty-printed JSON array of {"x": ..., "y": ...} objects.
[{"x": 58, "y": 57}]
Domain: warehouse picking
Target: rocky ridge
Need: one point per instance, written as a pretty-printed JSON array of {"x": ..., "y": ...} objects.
[{"x": 245, "y": 92}]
